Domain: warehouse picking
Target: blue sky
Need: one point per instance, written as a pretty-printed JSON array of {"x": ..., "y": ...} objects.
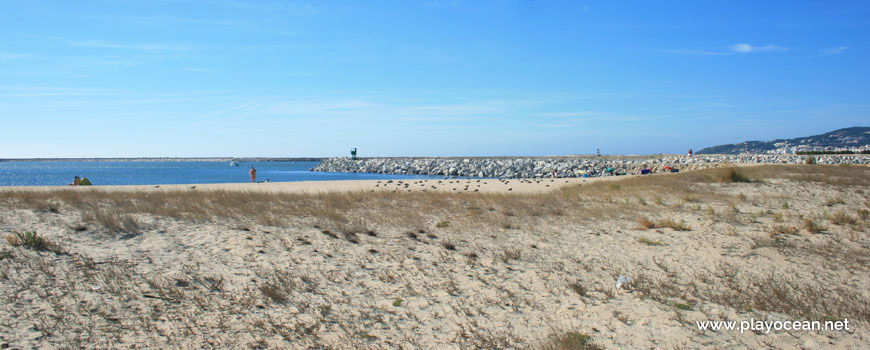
[{"x": 424, "y": 78}]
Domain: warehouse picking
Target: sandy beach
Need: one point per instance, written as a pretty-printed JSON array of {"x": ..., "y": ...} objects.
[
  {"x": 314, "y": 187},
  {"x": 434, "y": 264}
]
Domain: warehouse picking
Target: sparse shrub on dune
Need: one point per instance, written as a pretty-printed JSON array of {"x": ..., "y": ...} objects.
[
  {"x": 773, "y": 291},
  {"x": 578, "y": 288},
  {"x": 733, "y": 175},
  {"x": 113, "y": 221},
  {"x": 813, "y": 227},
  {"x": 777, "y": 217},
  {"x": 650, "y": 242},
  {"x": 841, "y": 218},
  {"x": 32, "y": 240},
  {"x": 682, "y": 306},
  {"x": 783, "y": 230},
  {"x": 674, "y": 225},
  {"x": 509, "y": 255},
  {"x": 570, "y": 341},
  {"x": 645, "y": 223},
  {"x": 274, "y": 293},
  {"x": 710, "y": 211},
  {"x": 834, "y": 201},
  {"x": 691, "y": 199}
]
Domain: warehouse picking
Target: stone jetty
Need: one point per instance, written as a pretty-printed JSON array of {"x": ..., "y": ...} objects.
[{"x": 568, "y": 166}]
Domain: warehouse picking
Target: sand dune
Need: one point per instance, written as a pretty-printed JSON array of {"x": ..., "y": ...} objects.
[{"x": 333, "y": 265}]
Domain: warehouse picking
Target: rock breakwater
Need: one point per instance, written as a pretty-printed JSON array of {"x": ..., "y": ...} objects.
[{"x": 574, "y": 166}]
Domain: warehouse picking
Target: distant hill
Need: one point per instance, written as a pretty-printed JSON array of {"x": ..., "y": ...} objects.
[{"x": 855, "y": 138}]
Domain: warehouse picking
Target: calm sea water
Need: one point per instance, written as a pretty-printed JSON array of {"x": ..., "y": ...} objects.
[{"x": 164, "y": 173}]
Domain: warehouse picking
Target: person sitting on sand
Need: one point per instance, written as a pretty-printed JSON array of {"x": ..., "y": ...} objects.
[
  {"x": 253, "y": 173},
  {"x": 75, "y": 181}
]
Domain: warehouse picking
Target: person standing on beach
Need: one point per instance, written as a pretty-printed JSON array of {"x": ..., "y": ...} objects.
[{"x": 253, "y": 174}]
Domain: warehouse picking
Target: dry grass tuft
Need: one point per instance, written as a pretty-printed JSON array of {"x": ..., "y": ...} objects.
[
  {"x": 112, "y": 221},
  {"x": 783, "y": 230},
  {"x": 650, "y": 242},
  {"x": 710, "y": 211},
  {"x": 733, "y": 175},
  {"x": 834, "y": 201},
  {"x": 842, "y": 219},
  {"x": 578, "y": 288},
  {"x": 773, "y": 291},
  {"x": 674, "y": 225},
  {"x": 645, "y": 223},
  {"x": 813, "y": 227},
  {"x": 570, "y": 341},
  {"x": 510, "y": 254},
  {"x": 833, "y": 254},
  {"x": 274, "y": 293},
  {"x": 32, "y": 240}
]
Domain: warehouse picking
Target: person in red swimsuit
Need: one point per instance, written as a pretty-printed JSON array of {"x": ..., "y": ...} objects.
[{"x": 253, "y": 174}]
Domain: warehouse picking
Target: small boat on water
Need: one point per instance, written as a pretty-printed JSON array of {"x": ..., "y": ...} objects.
[{"x": 233, "y": 163}]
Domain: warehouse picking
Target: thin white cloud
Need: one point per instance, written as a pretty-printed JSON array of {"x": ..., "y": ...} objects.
[
  {"x": 113, "y": 45},
  {"x": 835, "y": 50},
  {"x": 746, "y": 48},
  {"x": 741, "y": 48}
]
